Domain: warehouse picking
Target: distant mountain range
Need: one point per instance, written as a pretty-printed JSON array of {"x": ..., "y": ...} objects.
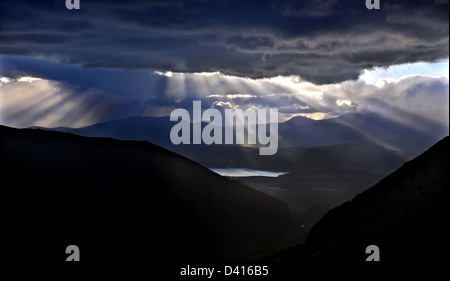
[
  {"x": 351, "y": 128},
  {"x": 404, "y": 215},
  {"x": 127, "y": 201}
]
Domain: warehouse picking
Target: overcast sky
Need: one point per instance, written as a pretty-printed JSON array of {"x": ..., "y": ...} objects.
[{"x": 115, "y": 59}]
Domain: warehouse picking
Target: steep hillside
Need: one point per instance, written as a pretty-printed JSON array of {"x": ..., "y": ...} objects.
[
  {"x": 405, "y": 215},
  {"x": 122, "y": 200}
]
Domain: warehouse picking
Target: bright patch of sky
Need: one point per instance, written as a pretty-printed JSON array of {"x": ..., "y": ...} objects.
[{"x": 379, "y": 75}]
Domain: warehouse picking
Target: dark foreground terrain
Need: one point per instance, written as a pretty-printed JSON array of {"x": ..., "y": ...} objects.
[
  {"x": 134, "y": 203},
  {"x": 126, "y": 201},
  {"x": 405, "y": 215}
]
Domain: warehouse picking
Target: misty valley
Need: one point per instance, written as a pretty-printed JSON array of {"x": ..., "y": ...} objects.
[
  {"x": 128, "y": 193},
  {"x": 324, "y": 163}
]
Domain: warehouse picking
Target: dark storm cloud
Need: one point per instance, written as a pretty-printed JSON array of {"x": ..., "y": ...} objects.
[{"x": 322, "y": 41}]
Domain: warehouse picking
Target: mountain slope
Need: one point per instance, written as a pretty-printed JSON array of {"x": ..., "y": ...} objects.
[
  {"x": 405, "y": 215},
  {"x": 121, "y": 200},
  {"x": 153, "y": 129}
]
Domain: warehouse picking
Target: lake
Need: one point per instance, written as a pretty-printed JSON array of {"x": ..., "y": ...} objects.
[{"x": 242, "y": 172}]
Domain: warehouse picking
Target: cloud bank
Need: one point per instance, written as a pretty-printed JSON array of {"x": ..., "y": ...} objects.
[
  {"x": 415, "y": 100},
  {"x": 323, "y": 42}
]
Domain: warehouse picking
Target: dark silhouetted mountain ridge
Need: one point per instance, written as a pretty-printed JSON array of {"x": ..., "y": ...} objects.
[
  {"x": 125, "y": 201},
  {"x": 405, "y": 215}
]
